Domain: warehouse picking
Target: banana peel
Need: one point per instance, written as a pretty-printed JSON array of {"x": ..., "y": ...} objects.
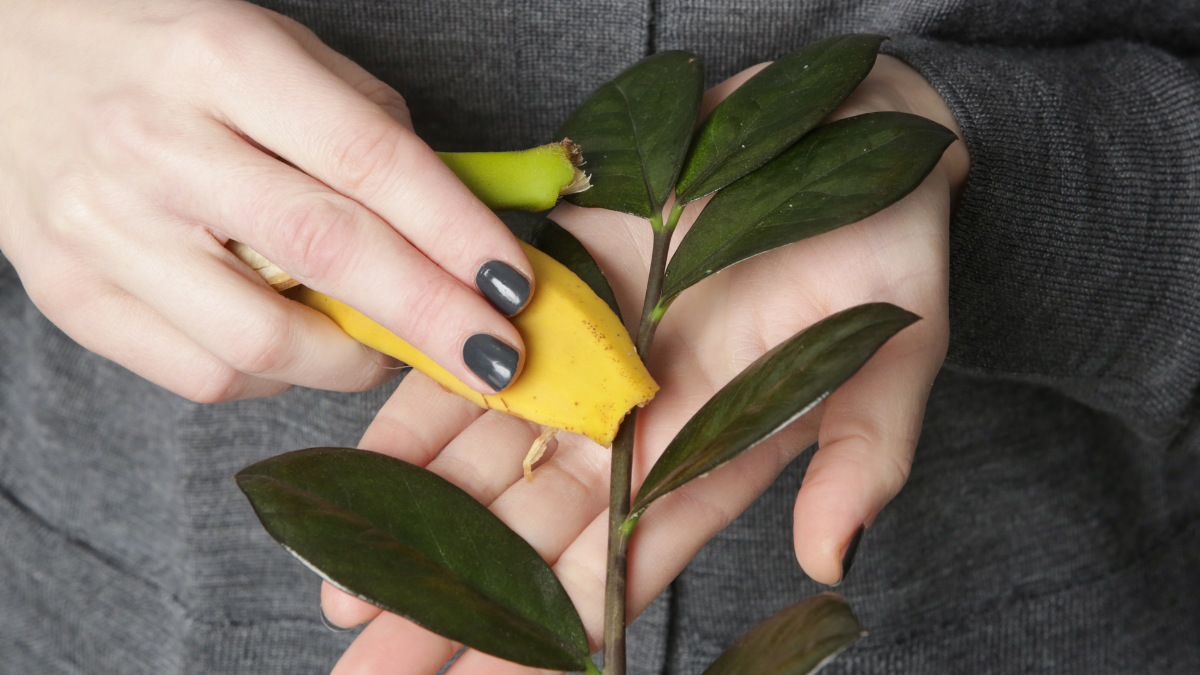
[{"x": 582, "y": 372}]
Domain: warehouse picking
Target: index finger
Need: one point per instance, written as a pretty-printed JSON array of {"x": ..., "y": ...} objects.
[{"x": 275, "y": 92}]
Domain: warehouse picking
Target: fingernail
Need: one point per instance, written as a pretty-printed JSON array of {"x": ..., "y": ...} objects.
[
  {"x": 851, "y": 550},
  {"x": 503, "y": 286},
  {"x": 491, "y": 359},
  {"x": 331, "y": 625}
]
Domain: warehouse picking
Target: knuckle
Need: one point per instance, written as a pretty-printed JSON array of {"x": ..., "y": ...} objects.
[
  {"x": 119, "y": 125},
  {"x": 427, "y": 309},
  {"x": 218, "y": 384},
  {"x": 314, "y": 238},
  {"x": 895, "y": 472},
  {"x": 204, "y": 36},
  {"x": 888, "y": 458},
  {"x": 456, "y": 246},
  {"x": 384, "y": 96},
  {"x": 72, "y": 209},
  {"x": 261, "y": 346},
  {"x": 210, "y": 38},
  {"x": 363, "y": 161},
  {"x": 289, "y": 24}
]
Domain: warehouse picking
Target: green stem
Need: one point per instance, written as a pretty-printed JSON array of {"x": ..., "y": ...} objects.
[
  {"x": 658, "y": 269},
  {"x": 618, "y": 546},
  {"x": 620, "y": 484}
]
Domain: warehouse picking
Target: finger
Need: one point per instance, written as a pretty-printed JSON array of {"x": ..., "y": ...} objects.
[
  {"x": 567, "y": 492},
  {"x": 871, "y": 424},
  {"x": 188, "y": 278},
  {"x": 418, "y": 420},
  {"x": 485, "y": 459},
  {"x": 344, "y": 610},
  {"x": 674, "y": 528},
  {"x": 301, "y": 111},
  {"x": 391, "y": 644},
  {"x": 376, "y": 91},
  {"x": 263, "y": 202},
  {"x": 567, "y": 497},
  {"x": 415, "y": 423},
  {"x": 870, "y": 431},
  {"x": 139, "y": 339}
]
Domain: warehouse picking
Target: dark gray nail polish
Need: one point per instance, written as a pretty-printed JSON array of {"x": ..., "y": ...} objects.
[
  {"x": 503, "y": 286},
  {"x": 851, "y": 550},
  {"x": 331, "y": 625},
  {"x": 491, "y": 359}
]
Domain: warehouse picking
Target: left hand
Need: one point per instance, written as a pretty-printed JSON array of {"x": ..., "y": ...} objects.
[{"x": 867, "y": 430}]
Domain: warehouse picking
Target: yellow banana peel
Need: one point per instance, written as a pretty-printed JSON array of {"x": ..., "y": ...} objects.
[{"x": 582, "y": 372}]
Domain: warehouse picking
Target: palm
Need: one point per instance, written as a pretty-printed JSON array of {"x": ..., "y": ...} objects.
[{"x": 867, "y": 429}]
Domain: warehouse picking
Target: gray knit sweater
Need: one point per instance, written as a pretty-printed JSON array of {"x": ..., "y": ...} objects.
[{"x": 1052, "y": 520}]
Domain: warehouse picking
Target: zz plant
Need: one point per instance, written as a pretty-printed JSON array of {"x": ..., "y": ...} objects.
[{"x": 412, "y": 543}]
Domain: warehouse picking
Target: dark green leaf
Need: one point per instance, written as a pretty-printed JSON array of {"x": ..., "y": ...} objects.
[
  {"x": 402, "y": 538},
  {"x": 550, "y": 238},
  {"x": 838, "y": 174},
  {"x": 764, "y": 116},
  {"x": 770, "y": 393},
  {"x": 796, "y": 641},
  {"x": 634, "y": 131}
]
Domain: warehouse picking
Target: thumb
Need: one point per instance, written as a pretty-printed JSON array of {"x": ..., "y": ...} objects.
[{"x": 868, "y": 434}]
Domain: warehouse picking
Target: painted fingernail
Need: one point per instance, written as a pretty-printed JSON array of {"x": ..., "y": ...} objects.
[
  {"x": 491, "y": 359},
  {"x": 503, "y": 286},
  {"x": 851, "y": 550},
  {"x": 331, "y": 625}
]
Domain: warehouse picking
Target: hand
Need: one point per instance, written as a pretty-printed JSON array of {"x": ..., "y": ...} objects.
[
  {"x": 137, "y": 138},
  {"x": 867, "y": 430}
]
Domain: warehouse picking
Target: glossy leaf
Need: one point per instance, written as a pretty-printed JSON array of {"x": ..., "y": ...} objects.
[
  {"x": 795, "y": 641},
  {"x": 773, "y": 109},
  {"x": 838, "y": 174},
  {"x": 407, "y": 540},
  {"x": 770, "y": 393},
  {"x": 634, "y": 131},
  {"x": 550, "y": 238}
]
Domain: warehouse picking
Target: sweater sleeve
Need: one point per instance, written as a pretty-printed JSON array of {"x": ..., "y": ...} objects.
[{"x": 1075, "y": 250}]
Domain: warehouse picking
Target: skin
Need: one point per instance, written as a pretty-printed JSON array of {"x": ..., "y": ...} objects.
[
  {"x": 867, "y": 430},
  {"x": 137, "y": 138}
]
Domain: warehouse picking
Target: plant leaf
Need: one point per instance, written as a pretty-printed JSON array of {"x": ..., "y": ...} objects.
[
  {"x": 838, "y": 174},
  {"x": 550, "y": 238},
  {"x": 407, "y": 540},
  {"x": 781, "y": 103},
  {"x": 795, "y": 641},
  {"x": 634, "y": 131},
  {"x": 770, "y": 393}
]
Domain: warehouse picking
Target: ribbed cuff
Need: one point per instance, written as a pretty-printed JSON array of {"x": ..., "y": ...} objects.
[{"x": 1075, "y": 252}]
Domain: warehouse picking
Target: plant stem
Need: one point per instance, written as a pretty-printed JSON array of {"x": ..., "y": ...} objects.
[
  {"x": 618, "y": 546},
  {"x": 658, "y": 269},
  {"x": 620, "y": 482}
]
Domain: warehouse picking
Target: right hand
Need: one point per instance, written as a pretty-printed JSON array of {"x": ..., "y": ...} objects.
[{"x": 137, "y": 138}]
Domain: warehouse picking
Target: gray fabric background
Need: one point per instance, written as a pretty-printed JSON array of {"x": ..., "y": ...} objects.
[{"x": 1050, "y": 523}]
